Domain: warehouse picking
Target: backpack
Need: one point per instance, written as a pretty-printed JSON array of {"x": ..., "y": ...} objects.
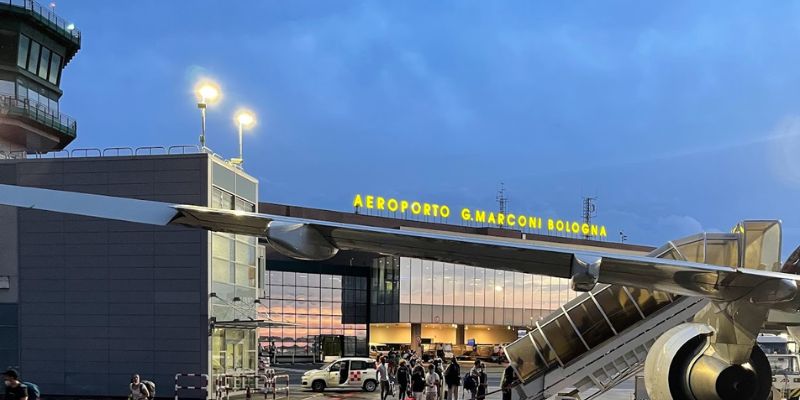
[
  {"x": 469, "y": 382},
  {"x": 33, "y": 391},
  {"x": 451, "y": 374},
  {"x": 151, "y": 388}
]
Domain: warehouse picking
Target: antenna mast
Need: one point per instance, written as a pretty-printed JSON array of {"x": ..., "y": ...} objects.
[
  {"x": 502, "y": 199},
  {"x": 589, "y": 211}
]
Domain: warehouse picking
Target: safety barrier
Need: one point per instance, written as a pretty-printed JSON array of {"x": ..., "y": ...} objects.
[
  {"x": 248, "y": 382},
  {"x": 179, "y": 387}
]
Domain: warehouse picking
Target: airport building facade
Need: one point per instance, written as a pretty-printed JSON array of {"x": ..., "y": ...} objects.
[
  {"x": 401, "y": 301},
  {"x": 86, "y": 302}
]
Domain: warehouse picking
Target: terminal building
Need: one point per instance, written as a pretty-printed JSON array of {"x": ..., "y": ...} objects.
[{"x": 344, "y": 304}]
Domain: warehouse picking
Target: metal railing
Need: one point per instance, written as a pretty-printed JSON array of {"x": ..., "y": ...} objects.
[
  {"x": 83, "y": 152},
  {"x": 25, "y": 108},
  {"x": 48, "y": 17}
]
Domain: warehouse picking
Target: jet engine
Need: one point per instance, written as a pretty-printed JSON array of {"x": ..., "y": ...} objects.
[{"x": 683, "y": 365}]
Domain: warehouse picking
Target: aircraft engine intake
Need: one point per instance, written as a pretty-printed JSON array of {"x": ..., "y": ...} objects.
[{"x": 682, "y": 366}]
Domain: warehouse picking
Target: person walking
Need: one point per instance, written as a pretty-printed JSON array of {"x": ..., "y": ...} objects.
[
  {"x": 403, "y": 379},
  {"x": 471, "y": 383},
  {"x": 272, "y": 351},
  {"x": 452, "y": 377},
  {"x": 483, "y": 382},
  {"x": 15, "y": 390},
  {"x": 432, "y": 384},
  {"x": 383, "y": 378},
  {"x": 138, "y": 389},
  {"x": 507, "y": 382},
  {"x": 418, "y": 382}
]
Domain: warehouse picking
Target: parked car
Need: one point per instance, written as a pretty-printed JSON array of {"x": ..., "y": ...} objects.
[
  {"x": 376, "y": 350},
  {"x": 349, "y": 372}
]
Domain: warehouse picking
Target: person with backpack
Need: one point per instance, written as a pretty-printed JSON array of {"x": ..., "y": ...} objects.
[
  {"x": 471, "y": 383},
  {"x": 16, "y": 390},
  {"x": 141, "y": 390},
  {"x": 403, "y": 377},
  {"x": 452, "y": 377},
  {"x": 418, "y": 382}
]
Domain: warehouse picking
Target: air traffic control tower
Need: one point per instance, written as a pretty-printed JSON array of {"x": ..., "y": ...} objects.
[{"x": 35, "y": 45}]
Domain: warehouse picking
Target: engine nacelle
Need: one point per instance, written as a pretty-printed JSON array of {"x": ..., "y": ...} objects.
[{"x": 680, "y": 366}]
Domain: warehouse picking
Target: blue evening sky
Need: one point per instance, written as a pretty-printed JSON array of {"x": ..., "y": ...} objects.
[{"x": 679, "y": 116}]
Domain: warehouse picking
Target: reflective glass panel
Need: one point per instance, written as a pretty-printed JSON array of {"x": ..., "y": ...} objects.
[
  {"x": 499, "y": 281},
  {"x": 519, "y": 290},
  {"x": 416, "y": 281},
  {"x": 458, "y": 291},
  {"x": 489, "y": 288},
  {"x": 438, "y": 282},
  {"x": 33, "y": 57},
  {"x": 563, "y": 338},
  {"x": 528, "y": 298},
  {"x": 469, "y": 285},
  {"x": 479, "y": 289},
  {"x": 537, "y": 293},
  {"x": 427, "y": 281},
  {"x": 693, "y": 251},
  {"x": 524, "y": 355},
  {"x": 722, "y": 252},
  {"x": 55, "y": 68},
  {"x": 405, "y": 281},
  {"x": 547, "y": 351},
  {"x": 509, "y": 289},
  {"x": 649, "y": 301},
  {"x": 618, "y": 307},
  {"x": 590, "y": 322},
  {"x": 44, "y": 62},
  {"x": 22, "y": 53},
  {"x": 449, "y": 278},
  {"x": 288, "y": 278}
]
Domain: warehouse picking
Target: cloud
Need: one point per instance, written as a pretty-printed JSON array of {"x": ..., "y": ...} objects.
[
  {"x": 785, "y": 150},
  {"x": 681, "y": 225}
]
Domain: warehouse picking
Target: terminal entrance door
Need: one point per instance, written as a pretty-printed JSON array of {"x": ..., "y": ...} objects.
[{"x": 332, "y": 345}]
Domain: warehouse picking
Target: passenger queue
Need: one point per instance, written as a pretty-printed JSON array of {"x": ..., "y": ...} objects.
[{"x": 403, "y": 375}]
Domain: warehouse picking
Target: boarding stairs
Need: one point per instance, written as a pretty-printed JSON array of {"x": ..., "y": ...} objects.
[
  {"x": 595, "y": 341},
  {"x": 601, "y": 338}
]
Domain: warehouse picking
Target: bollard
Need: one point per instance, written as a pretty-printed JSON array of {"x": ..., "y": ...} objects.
[{"x": 247, "y": 394}]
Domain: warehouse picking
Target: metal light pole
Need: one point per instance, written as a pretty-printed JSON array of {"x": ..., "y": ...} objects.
[
  {"x": 207, "y": 92},
  {"x": 244, "y": 119}
]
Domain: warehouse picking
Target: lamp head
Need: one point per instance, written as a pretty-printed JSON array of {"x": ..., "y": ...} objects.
[
  {"x": 245, "y": 118},
  {"x": 207, "y": 91}
]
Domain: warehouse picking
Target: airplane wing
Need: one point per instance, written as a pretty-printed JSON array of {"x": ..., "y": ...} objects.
[{"x": 317, "y": 240}]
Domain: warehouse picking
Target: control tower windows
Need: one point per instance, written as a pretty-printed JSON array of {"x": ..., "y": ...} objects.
[
  {"x": 33, "y": 57},
  {"x": 55, "y": 68},
  {"x": 39, "y": 60},
  {"x": 22, "y": 53},
  {"x": 44, "y": 63}
]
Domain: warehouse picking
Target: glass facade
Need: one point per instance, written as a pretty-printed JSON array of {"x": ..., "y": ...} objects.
[
  {"x": 38, "y": 60},
  {"x": 320, "y": 305},
  {"x": 420, "y": 291},
  {"x": 234, "y": 274}
]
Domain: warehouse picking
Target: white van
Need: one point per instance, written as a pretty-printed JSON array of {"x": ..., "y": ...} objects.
[
  {"x": 350, "y": 372},
  {"x": 377, "y": 350}
]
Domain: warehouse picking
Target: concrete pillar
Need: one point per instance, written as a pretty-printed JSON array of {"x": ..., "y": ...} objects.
[
  {"x": 416, "y": 334},
  {"x": 460, "y": 334}
]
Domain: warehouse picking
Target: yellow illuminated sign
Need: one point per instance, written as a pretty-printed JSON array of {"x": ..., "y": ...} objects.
[{"x": 511, "y": 220}]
